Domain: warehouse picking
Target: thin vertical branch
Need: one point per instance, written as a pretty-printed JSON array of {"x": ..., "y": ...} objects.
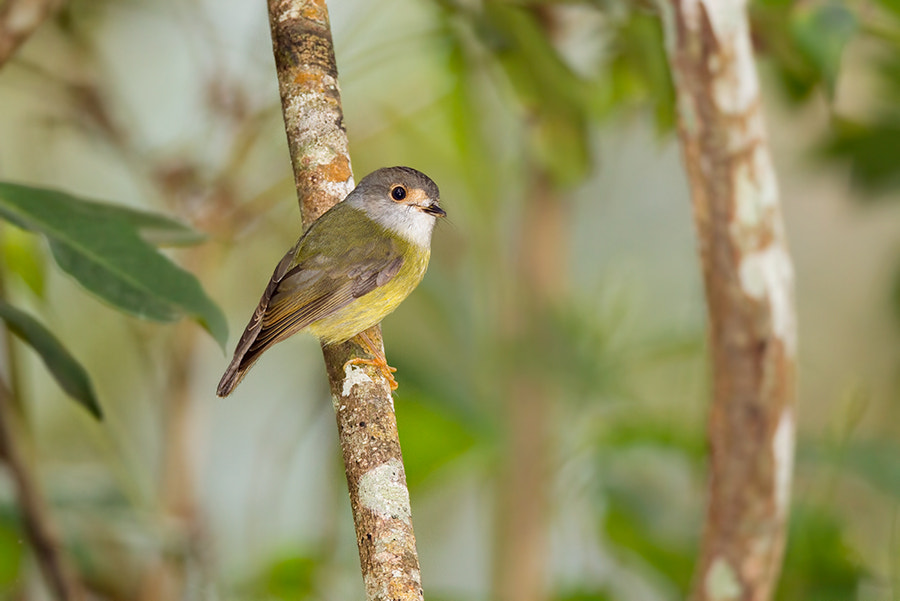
[
  {"x": 367, "y": 427},
  {"x": 35, "y": 521},
  {"x": 525, "y": 477},
  {"x": 749, "y": 290}
]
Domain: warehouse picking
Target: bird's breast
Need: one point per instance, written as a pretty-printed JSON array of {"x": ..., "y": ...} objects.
[{"x": 369, "y": 309}]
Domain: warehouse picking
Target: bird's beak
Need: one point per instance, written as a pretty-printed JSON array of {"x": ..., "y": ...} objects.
[{"x": 434, "y": 209}]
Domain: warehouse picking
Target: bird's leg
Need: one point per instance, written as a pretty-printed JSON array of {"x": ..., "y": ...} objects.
[{"x": 380, "y": 361}]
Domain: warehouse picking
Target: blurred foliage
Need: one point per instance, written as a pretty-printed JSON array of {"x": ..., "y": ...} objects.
[
  {"x": 287, "y": 579},
  {"x": 804, "y": 41},
  {"x": 585, "y": 596},
  {"x": 12, "y": 550},
  {"x": 818, "y": 562},
  {"x": 432, "y": 437},
  {"x": 630, "y": 527}
]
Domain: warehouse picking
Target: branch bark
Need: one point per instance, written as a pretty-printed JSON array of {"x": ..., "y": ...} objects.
[
  {"x": 35, "y": 521},
  {"x": 367, "y": 427},
  {"x": 748, "y": 279},
  {"x": 18, "y": 20}
]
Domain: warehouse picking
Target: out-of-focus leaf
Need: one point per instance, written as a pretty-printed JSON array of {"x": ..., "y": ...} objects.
[
  {"x": 11, "y": 549},
  {"x": 66, "y": 370},
  {"x": 585, "y": 595},
  {"x": 818, "y": 563},
  {"x": 290, "y": 578},
  {"x": 891, "y": 5},
  {"x": 870, "y": 149},
  {"x": 876, "y": 461},
  {"x": 639, "y": 70},
  {"x": 804, "y": 41},
  {"x": 103, "y": 247},
  {"x": 553, "y": 98},
  {"x": 21, "y": 256},
  {"x": 645, "y": 431},
  {"x": 627, "y": 528},
  {"x": 158, "y": 230},
  {"x": 821, "y": 31},
  {"x": 431, "y": 438}
]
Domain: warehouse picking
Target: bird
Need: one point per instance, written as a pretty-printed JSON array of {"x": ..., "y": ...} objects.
[{"x": 352, "y": 267}]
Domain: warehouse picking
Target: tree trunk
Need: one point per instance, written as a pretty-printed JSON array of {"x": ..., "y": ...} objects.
[{"x": 748, "y": 278}]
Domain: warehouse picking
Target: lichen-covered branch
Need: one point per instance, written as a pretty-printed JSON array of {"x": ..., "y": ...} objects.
[
  {"x": 35, "y": 521},
  {"x": 18, "y": 20},
  {"x": 749, "y": 290},
  {"x": 311, "y": 103}
]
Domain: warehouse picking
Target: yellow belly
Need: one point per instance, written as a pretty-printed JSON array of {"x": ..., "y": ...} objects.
[{"x": 371, "y": 308}]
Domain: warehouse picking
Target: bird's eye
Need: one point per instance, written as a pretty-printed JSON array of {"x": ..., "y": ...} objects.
[{"x": 398, "y": 193}]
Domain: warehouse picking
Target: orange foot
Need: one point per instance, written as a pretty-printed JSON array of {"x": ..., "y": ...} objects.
[{"x": 380, "y": 361}]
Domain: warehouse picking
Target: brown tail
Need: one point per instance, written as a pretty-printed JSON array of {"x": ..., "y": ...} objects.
[
  {"x": 233, "y": 376},
  {"x": 244, "y": 355}
]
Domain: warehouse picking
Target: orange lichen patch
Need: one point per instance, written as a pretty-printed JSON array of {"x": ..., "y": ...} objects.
[
  {"x": 337, "y": 170},
  {"x": 308, "y": 79},
  {"x": 316, "y": 11}
]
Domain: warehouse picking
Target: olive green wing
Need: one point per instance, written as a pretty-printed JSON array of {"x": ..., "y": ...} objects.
[
  {"x": 308, "y": 288},
  {"x": 323, "y": 284}
]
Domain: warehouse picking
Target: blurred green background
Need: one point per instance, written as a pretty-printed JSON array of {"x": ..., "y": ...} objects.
[{"x": 552, "y": 365}]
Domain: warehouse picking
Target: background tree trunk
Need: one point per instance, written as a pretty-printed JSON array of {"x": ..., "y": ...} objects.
[{"x": 749, "y": 290}]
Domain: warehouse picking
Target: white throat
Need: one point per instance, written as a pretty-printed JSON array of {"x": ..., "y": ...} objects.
[{"x": 406, "y": 221}]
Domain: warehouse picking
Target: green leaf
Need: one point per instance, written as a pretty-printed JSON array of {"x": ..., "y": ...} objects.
[
  {"x": 22, "y": 256},
  {"x": 106, "y": 249},
  {"x": 66, "y": 370},
  {"x": 804, "y": 42},
  {"x": 820, "y": 33},
  {"x": 158, "y": 230}
]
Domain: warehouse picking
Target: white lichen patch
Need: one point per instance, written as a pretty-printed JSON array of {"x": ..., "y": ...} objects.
[
  {"x": 378, "y": 585},
  {"x": 691, "y": 11},
  {"x": 736, "y": 86},
  {"x": 354, "y": 375},
  {"x": 756, "y": 212},
  {"x": 383, "y": 490},
  {"x": 721, "y": 583},
  {"x": 768, "y": 274},
  {"x": 727, "y": 17},
  {"x": 783, "y": 452},
  {"x": 315, "y": 134},
  {"x": 749, "y": 207},
  {"x": 337, "y": 189},
  {"x": 755, "y": 190}
]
